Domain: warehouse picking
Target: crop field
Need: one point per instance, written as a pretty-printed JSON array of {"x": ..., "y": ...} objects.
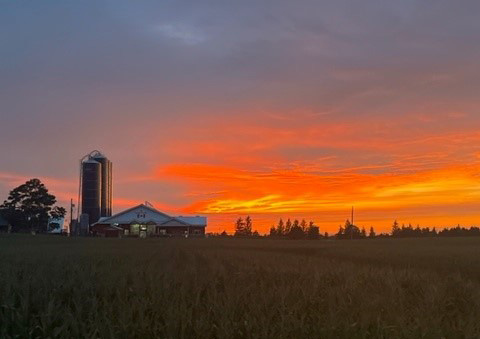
[{"x": 239, "y": 288}]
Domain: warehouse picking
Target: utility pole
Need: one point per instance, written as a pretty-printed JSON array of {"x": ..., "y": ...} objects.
[{"x": 71, "y": 215}]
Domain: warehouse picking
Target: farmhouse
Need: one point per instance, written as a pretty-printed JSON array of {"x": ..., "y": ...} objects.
[{"x": 145, "y": 221}]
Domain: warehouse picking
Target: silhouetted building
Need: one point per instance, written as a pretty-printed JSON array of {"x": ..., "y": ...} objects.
[
  {"x": 145, "y": 221},
  {"x": 4, "y": 225},
  {"x": 96, "y": 186}
]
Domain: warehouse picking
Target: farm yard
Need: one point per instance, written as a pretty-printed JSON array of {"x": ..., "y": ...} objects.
[{"x": 62, "y": 287}]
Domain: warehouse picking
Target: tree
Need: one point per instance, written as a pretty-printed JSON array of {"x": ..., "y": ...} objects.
[
  {"x": 313, "y": 232},
  {"x": 351, "y": 231},
  {"x": 296, "y": 223},
  {"x": 288, "y": 226},
  {"x": 303, "y": 225},
  {"x": 296, "y": 232},
  {"x": 372, "y": 233},
  {"x": 280, "y": 228},
  {"x": 29, "y": 206},
  {"x": 243, "y": 228},
  {"x": 248, "y": 226},
  {"x": 363, "y": 233},
  {"x": 341, "y": 233},
  {"x": 58, "y": 212},
  {"x": 239, "y": 227},
  {"x": 273, "y": 231},
  {"x": 395, "y": 229}
]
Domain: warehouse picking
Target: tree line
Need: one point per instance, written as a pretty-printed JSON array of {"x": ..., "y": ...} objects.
[
  {"x": 350, "y": 231},
  {"x": 410, "y": 231},
  {"x": 295, "y": 230},
  {"x": 302, "y": 230},
  {"x": 290, "y": 229},
  {"x": 29, "y": 207}
]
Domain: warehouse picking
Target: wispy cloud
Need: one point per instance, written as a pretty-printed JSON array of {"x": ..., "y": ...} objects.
[{"x": 183, "y": 33}]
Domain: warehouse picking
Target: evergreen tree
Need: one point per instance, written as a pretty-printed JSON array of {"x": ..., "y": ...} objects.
[
  {"x": 303, "y": 225},
  {"x": 248, "y": 226},
  {"x": 363, "y": 233},
  {"x": 239, "y": 227},
  {"x": 281, "y": 228},
  {"x": 296, "y": 231},
  {"x": 288, "y": 227},
  {"x": 351, "y": 231},
  {"x": 313, "y": 232},
  {"x": 395, "y": 229},
  {"x": 341, "y": 233},
  {"x": 372, "y": 233},
  {"x": 417, "y": 232},
  {"x": 273, "y": 231}
]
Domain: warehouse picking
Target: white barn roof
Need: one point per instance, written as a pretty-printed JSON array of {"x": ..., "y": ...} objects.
[
  {"x": 197, "y": 221},
  {"x": 143, "y": 214}
]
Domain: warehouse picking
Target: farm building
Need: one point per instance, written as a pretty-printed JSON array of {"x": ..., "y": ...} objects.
[{"x": 145, "y": 221}]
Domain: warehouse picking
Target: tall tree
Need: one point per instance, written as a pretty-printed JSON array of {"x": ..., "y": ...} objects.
[
  {"x": 372, "y": 233},
  {"x": 248, "y": 226},
  {"x": 273, "y": 231},
  {"x": 239, "y": 227},
  {"x": 303, "y": 225},
  {"x": 29, "y": 206},
  {"x": 351, "y": 231},
  {"x": 313, "y": 232},
  {"x": 363, "y": 233},
  {"x": 288, "y": 226},
  {"x": 341, "y": 233},
  {"x": 296, "y": 231},
  {"x": 395, "y": 229},
  {"x": 281, "y": 228}
]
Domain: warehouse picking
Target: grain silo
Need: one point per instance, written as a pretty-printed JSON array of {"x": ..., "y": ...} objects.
[
  {"x": 95, "y": 186},
  {"x": 106, "y": 187}
]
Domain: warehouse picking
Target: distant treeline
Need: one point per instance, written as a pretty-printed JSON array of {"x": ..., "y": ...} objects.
[
  {"x": 350, "y": 231},
  {"x": 290, "y": 229},
  {"x": 296, "y": 229},
  {"x": 409, "y": 231},
  {"x": 308, "y": 230}
]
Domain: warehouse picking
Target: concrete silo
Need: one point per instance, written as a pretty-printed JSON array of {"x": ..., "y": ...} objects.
[
  {"x": 95, "y": 191},
  {"x": 106, "y": 187}
]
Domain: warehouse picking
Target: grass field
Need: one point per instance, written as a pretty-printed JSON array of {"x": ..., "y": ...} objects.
[{"x": 229, "y": 288}]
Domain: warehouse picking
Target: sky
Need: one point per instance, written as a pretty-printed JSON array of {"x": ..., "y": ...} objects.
[{"x": 274, "y": 109}]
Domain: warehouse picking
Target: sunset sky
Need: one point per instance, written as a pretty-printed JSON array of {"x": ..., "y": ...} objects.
[{"x": 280, "y": 108}]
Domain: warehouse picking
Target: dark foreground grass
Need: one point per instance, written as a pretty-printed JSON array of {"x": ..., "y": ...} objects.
[{"x": 230, "y": 288}]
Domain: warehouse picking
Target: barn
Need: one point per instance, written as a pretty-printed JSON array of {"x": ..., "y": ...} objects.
[{"x": 146, "y": 221}]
